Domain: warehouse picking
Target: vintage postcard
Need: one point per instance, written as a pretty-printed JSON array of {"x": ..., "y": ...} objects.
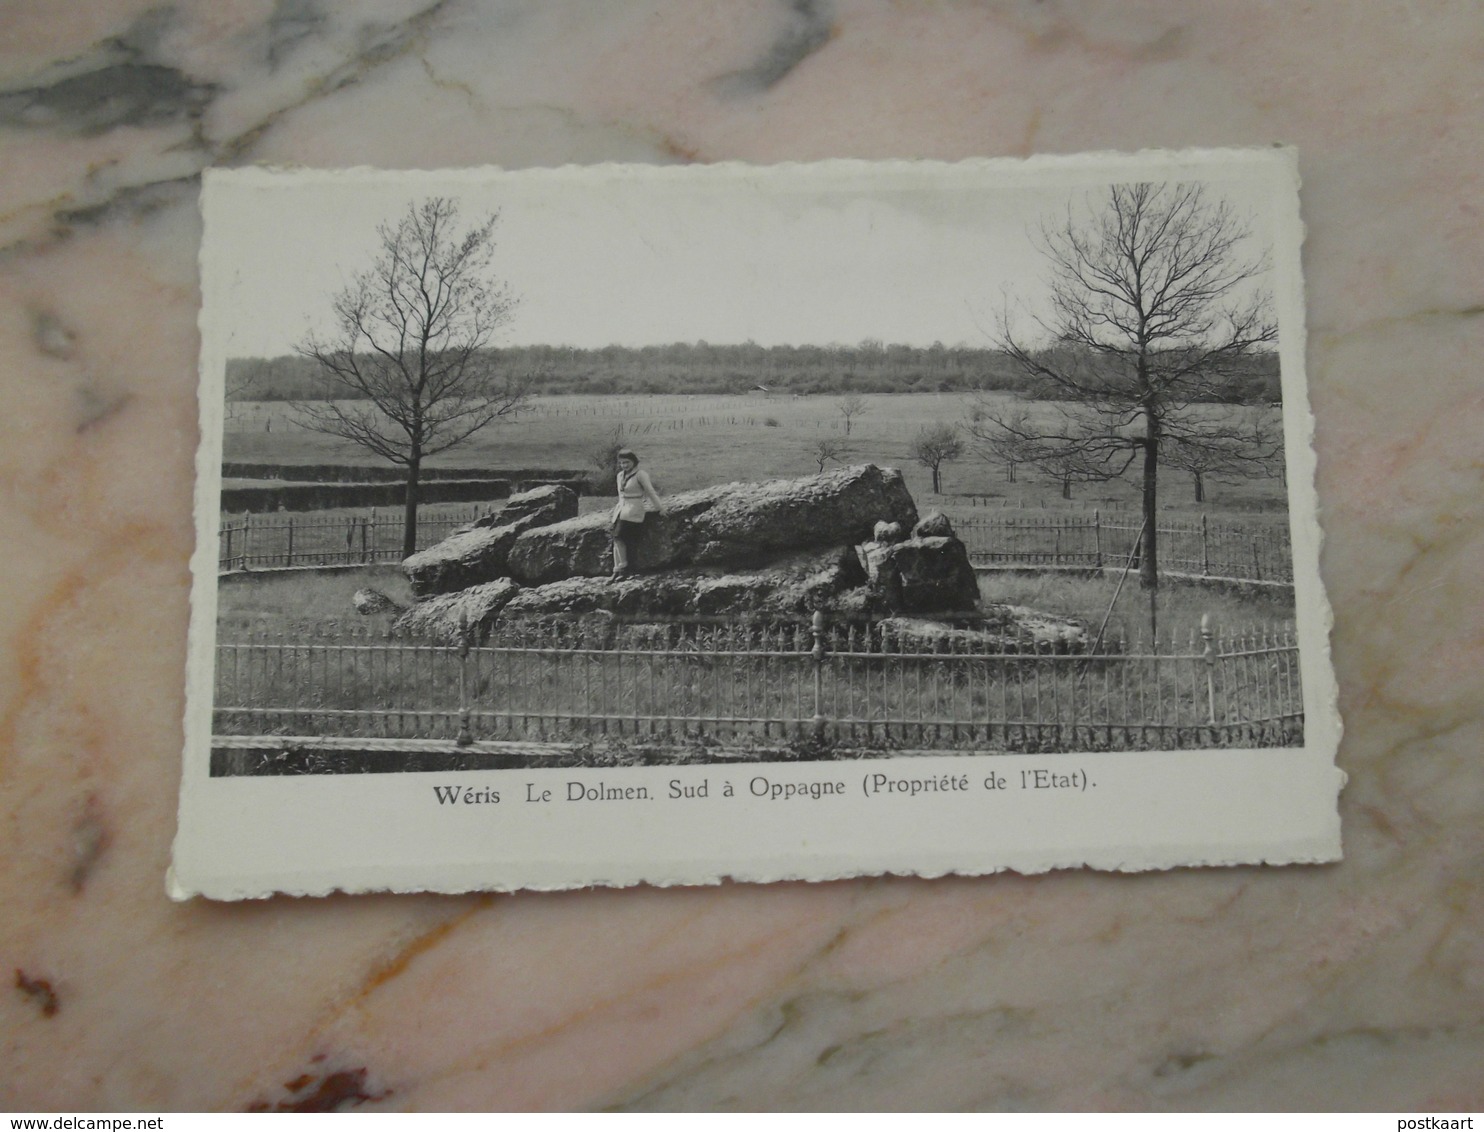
[{"x": 619, "y": 525}]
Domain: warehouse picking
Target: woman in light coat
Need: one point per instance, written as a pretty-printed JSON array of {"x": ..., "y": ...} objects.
[{"x": 636, "y": 498}]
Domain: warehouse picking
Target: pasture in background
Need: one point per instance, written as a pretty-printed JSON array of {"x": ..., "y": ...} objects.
[{"x": 689, "y": 441}]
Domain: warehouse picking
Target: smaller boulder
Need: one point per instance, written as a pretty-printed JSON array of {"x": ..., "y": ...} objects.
[
  {"x": 1006, "y": 630},
  {"x": 369, "y": 602},
  {"x": 444, "y": 617},
  {"x": 551, "y": 503},
  {"x": 888, "y": 533},
  {"x": 1047, "y": 630},
  {"x": 478, "y": 552},
  {"x": 934, "y": 524},
  {"x": 554, "y": 502}
]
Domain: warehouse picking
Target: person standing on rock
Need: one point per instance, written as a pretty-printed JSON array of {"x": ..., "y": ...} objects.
[{"x": 636, "y": 498}]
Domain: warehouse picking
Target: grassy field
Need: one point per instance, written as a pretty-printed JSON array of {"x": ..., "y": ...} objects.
[
  {"x": 284, "y": 601},
  {"x": 694, "y": 441},
  {"x": 1233, "y": 611}
]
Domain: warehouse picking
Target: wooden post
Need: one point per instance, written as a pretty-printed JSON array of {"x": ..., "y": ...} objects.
[
  {"x": 1210, "y": 654},
  {"x": 228, "y": 562},
  {"x": 1097, "y": 534},
  {"x": 1205, "y": 548},
  {"x": 1256, "y": 562},
  {"x": 289, "y": 559},
  {"x": 246, "y": 540},
  {"x": 1127, "y": 566},
  {"x": 365, "y": 538}
]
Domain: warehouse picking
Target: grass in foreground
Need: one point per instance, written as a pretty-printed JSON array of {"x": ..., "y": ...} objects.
[
  {"x": 1179, "y": 605},
  {"x": 282, "y": 600}
]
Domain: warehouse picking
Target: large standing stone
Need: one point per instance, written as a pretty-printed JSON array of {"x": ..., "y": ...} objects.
[
  {"x": 923, "y": 575},
  {"x": 442, "y": 617},
  {"x": 477, "y": 553},
  {"x": 735, "y": 524}
]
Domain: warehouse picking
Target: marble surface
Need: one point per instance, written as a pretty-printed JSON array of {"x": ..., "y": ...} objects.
[{"x": 1359, "y": 985}]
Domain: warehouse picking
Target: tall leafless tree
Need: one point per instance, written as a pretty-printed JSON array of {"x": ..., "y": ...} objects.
[
  {"x": 1156, "y": 302},
  {"x": 407, "y": 370}
]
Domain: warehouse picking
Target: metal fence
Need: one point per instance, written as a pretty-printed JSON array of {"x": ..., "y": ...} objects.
[
  {"x": 279, "y": 540},
  {"x": 848, "y": 684},
  {"x": 1258, "y": 553},
  {"x": 1199, "y": 547}
]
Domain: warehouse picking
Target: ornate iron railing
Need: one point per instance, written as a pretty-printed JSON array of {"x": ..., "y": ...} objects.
[{"x": 891, "y": 684}]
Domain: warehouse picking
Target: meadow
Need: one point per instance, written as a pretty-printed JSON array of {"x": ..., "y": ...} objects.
[{"x": 694, "y": 440}]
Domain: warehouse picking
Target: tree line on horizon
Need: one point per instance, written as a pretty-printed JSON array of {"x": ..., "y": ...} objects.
[{"x": 710, "y": 368}]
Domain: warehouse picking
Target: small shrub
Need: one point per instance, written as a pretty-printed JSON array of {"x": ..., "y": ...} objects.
[{"x": 771, "y": 422}]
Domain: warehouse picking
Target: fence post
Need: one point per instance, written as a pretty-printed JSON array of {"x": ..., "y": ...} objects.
[
  {"x": 289, "y": 560},
  {"x": 1205, "y": 548},
  {"x": 246, "y": 540},
  {"x": 1056, "y": 546},
  {"x": 1097, "y": 534},
  {"x": 816, "y": 625},
  {"x": 465, "y": 736},
  {"x": 1209, "y": 653},
  {"x": 230, "y": 528},
  {"x": 1256, "y": 561}
]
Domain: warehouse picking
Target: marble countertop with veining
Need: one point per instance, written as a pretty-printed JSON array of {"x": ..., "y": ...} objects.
[{"x": 1354, "y": 985}]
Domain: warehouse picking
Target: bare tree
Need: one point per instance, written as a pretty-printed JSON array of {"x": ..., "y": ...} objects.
[
  {"x": 851, "y": 406},
  {"x": 1072, "y": 454},
  {"x": 935, "y": 445},
  {"x": 998, "y": 436},
  {"x": 407, "y": 371},
  {"x": 827, "y": 449},
  {"x": 1253, "y": 454},
  {"x": 1155, "y": 306}
]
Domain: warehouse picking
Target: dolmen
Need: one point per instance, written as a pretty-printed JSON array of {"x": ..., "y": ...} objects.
[{"x": 848, "y": 542}]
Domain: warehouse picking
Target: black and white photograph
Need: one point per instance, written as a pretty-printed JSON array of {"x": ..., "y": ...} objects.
[{"x": 648, "y": 490}]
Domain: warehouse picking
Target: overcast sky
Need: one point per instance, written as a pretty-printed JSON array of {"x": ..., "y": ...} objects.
[{"x": 638, "y": 255}]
